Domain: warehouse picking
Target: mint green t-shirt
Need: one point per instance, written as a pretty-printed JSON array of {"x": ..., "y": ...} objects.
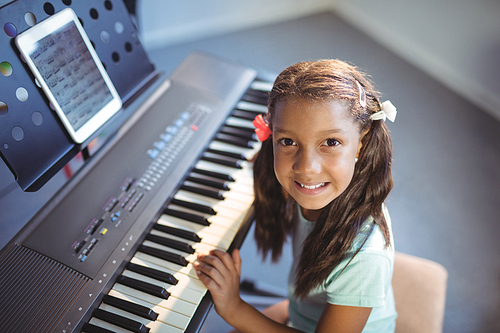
[{"x": 365, "y": 282}]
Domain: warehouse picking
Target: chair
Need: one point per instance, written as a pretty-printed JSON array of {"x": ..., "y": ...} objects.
[{"x": 420, "y": 294}]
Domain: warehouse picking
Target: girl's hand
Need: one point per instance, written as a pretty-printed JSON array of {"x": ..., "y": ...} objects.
[{"x": 220, "y": 273}]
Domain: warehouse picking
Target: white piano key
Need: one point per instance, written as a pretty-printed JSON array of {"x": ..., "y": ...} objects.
[
  {"x": 165, "y": 316},
  {"x": 248, "y": 106},
  {"x": 234, "y": 121},
  {"x": 213, "y": 229},
  {"x": 172, "y": 303},
  {"x": 154, "y": 326},
  {"x": 262, "y": 85},
  {"x": 193, "y": 294}
]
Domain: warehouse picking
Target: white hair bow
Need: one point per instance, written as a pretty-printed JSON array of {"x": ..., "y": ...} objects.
[{"x": 388, "y": 111}]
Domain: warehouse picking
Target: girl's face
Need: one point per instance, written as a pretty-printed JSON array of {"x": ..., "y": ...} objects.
[{"x": 315, "y": 146}]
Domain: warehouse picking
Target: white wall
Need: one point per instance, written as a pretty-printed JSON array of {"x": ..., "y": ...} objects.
[
  {"x": 455, "y": 41},
  {"x": 164, "y": 23}
]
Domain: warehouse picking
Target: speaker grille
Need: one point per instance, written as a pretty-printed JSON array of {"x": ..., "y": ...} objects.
[{"x": 35, "y": 291}]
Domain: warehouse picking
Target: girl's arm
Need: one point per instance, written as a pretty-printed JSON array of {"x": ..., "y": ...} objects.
[{"x": 220, "y": 273}]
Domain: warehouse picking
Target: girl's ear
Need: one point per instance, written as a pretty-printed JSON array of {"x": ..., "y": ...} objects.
[{"x": 360, "y": 145}]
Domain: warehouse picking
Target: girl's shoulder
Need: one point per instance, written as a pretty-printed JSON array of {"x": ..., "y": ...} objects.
[{"x": 371, "y": 238}]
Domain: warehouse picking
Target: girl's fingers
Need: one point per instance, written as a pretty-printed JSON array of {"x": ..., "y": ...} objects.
[{"x": 237, "y": 260}]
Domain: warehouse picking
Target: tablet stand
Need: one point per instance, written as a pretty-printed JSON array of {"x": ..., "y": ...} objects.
[{"x": 33, "y": 142}]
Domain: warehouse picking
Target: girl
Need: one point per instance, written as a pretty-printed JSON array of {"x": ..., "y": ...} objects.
[{"x": 322, "y": 175}]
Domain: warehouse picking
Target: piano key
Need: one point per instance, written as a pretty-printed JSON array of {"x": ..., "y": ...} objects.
[
  {"x": 244, "y": 175},
  {"x": 241, "y": 196},
  {"x": 182, "y": 233},
  {"x": 187, "y": 270},
  {"x": 162, "y": 254},
  {"x": 172, "y": 303},
  {"x": 192, "y": 289},
  {"x": 132, "y": 307},
  {"x": 214, "y": 230},
  {"x": 238, "y": 132},
  {"x": 149, "y": 288},
  {"x": 214, "y": 174},
  {"x": 120, "y": 321},
  {"x": 254, "y": 98},
  {"x": 251, "y": 107},
  {"x": 152, "y": 273},
  {"x": 90, "y": 328},
  {"x": 247, "y": 153},
  {"x": 203, "y": 191},
  {"x": 171, "y": 243},
  {"x": 233, "y": 139},
  {"x": 113, "y": 313},
  {"x": 236, "y": 156},
  {"x": 261, "y": 85},
  {"x": 187, "y": 216},
  {"x": 218, "y": 184},
  {"x": 203, "y": 237},
  {"x": 217, "y": 204},
  {"x": 105, "y": 325},
  {"x": 234, "y": 163},
  {"x": 165, "y": 316},
  {"x": 194, "y": 206},
  {"x": 234, "y": 121}
]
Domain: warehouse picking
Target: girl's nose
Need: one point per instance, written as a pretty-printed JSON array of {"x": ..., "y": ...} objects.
[{"x": 307, "y": 162}]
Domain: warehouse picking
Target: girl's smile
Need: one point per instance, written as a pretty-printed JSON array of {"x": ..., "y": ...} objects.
[{"x": 315, "y": 145}]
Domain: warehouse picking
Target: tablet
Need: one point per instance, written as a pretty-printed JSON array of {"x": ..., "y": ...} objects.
[{"x": 62, "y": 59}]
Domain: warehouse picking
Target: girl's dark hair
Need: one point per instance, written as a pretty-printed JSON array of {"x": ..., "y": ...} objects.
[{"x": 339, "y": 222}]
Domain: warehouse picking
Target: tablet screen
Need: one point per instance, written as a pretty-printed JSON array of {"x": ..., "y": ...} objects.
[{"x": 70, "y": 73}]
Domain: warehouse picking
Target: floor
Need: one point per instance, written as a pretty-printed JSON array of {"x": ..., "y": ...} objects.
[{"x": 445, "y": 204}]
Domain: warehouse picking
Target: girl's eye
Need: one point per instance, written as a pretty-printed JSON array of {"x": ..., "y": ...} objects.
[
  {"x": 331, "y": 142},
  {"x": 287, "y": 142}
]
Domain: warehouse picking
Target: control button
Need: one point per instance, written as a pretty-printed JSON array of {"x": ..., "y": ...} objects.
[
  {"x": 104, "y": 231},
  {"x": 153, "y": 153}
]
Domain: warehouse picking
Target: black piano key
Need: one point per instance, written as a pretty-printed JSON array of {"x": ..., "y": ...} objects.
[
  {"x": 194, "y": 206},
  {"x": 146, "y": 287},
  {"x": 247, "y": 115},
  {"x": 203, "y": 191},
  {"x": 172, "y": 243},
  {"x": 165, "y": 255},
  {"x": 89, "y": 328},
  {"x": 227, "y": 153},
  {"x": 177, "y": 232},
  {"x": 152, "y": 273},
  {"x": 214, "y": 174},
  {"x": 258, "y": 93},
  {"x": 187, "y": 216},
  {"x": 118, "y": 320},
  {"x": 249, "y": 97},
  {"x": 131, "y": 307},
  {"x": 230, "y": 163},
  {"x": 238, "y": 133},
  {"x": 239, "y": 142},
  {"x": 220, "y": 185}
]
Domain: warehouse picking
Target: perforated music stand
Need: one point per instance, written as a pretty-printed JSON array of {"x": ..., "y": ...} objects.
[{"x": 33, "y": 142}]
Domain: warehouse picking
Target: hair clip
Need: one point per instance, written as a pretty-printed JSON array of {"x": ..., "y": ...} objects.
[
  {"x": 261, "y": 128},
  {"x": 362, "y": 94},
  {"x": 388, "y": 110}
]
